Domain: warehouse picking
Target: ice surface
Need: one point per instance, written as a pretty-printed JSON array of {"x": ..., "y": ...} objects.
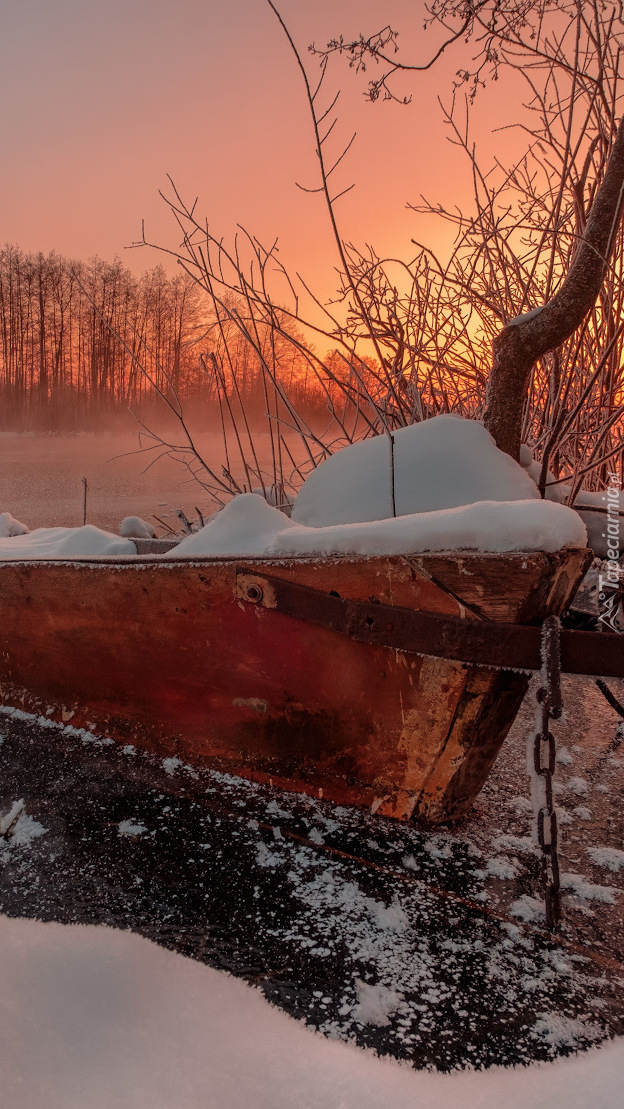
[
  {"x": 445, "y": 462},
  {"x": 98, "y": 1017},
  {"x": 249, "y": 526}
]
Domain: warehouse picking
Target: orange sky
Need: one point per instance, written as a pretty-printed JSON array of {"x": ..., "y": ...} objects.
[{"x": 100, "y": 100}]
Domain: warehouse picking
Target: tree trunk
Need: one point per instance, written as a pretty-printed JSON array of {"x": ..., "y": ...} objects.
[{"x": 526, "y": 339}]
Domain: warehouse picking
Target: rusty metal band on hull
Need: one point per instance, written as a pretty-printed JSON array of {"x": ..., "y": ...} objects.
[{"x": 478, "y": 643}]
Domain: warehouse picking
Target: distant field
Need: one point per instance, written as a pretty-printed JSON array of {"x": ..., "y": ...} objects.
[{"x": 41, "y": 479}]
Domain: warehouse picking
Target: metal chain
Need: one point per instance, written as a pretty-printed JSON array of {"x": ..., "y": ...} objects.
[{"x": 544, "y": 758}]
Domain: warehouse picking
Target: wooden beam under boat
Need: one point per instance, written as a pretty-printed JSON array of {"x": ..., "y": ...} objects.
[{"x": 168, "y": 655}]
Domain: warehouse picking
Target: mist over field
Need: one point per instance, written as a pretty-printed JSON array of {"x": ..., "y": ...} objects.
[{"x": 41, "y": 479}]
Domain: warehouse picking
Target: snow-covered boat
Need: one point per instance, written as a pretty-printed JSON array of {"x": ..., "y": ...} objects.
[
  {"x": 332, "y": 652},
  {"x": 319, "y": 675}
]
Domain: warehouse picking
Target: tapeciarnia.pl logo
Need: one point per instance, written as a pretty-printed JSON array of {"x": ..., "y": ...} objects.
[{"x": 609, "y": 583}]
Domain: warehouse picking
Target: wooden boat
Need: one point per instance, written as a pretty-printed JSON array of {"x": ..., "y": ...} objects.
[{"x": 303, "y": 673}]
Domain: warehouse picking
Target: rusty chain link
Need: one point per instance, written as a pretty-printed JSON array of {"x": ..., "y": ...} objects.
[{"x": 544, "y": 760}]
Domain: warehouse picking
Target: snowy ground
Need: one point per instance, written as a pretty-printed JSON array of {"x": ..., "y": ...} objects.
[
  {"x": 428, "y": 948},
  {"x": 97, "y": 1018}
]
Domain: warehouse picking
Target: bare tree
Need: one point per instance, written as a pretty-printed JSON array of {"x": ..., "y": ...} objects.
[{"x": 567, "y": 51}]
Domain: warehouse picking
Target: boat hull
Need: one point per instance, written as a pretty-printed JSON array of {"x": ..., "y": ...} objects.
[{"x": 166, "y": 656}]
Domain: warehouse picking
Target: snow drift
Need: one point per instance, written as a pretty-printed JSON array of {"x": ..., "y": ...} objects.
[
  {"x": 50, "y": 543},
  {"x": 445, "y": 462},
  {"x": 595, "y": 522},
  {"x": 249, "y": 526},
  {"x": 454, "y": 490},
  {"x": 94, "y": 1017}
]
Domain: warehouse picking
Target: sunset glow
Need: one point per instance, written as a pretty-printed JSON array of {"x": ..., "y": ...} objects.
[{"x": 118, "y": 96}]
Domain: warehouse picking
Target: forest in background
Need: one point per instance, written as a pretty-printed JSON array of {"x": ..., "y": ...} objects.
[{"x": 83, "y": 342}]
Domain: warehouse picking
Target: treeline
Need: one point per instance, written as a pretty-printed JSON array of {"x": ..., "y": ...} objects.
[{"x": 82, "y": 341}]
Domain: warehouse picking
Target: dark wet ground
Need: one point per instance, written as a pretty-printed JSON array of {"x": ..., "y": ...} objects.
[{"x": 427, "y": 946}]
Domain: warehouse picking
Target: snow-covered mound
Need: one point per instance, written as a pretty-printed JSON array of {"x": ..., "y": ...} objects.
[
  {"x": 10, "y": 527},
  {"x": 94, "y": 1018},
  {"x": 50, "y": 543},
  {"x": 441, "y": 463},
  {"x": 249, "y": 526},
  {"x": 133, "y": 527}
]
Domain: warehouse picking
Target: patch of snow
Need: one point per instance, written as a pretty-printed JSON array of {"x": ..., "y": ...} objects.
[
  {"x": 171, "y": 764},
  {"x": 580, "y": 886},
  {"x": 564, "y": 757},
  {"x": 527, "y": 908},
  {"x": 579, "y": 786},
  {"x": 438, "y": 849},
  {"x": 595, "y": 522},
  {"x": 26, "y": 830},
  {"x": 61, "y": 543},
  {"x": 265, "y": 857},
  {"x": 131, "y": 828},
  {"x": 273, "y": 809},
  {"x": 563, "y": 1031},
  {"x": 454, "y": 490},
  {"x": 133, "y": 527},
  {"x": 609, "y": 857},
  {"x": 530, "y": 315},
  {"x": 10, "y": 527},
  {"x": 521, "y": 804},
  {"x": 502, "y": 867},
  {"x": 375, "y": 1004},
  {"x": 66, "y": 729},
  {"x": 582, "y": 812},
  {"x": 515, "y": 843}
]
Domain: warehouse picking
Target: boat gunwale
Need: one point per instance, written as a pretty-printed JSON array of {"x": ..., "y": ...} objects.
[{"x": 280, "y": 559}]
